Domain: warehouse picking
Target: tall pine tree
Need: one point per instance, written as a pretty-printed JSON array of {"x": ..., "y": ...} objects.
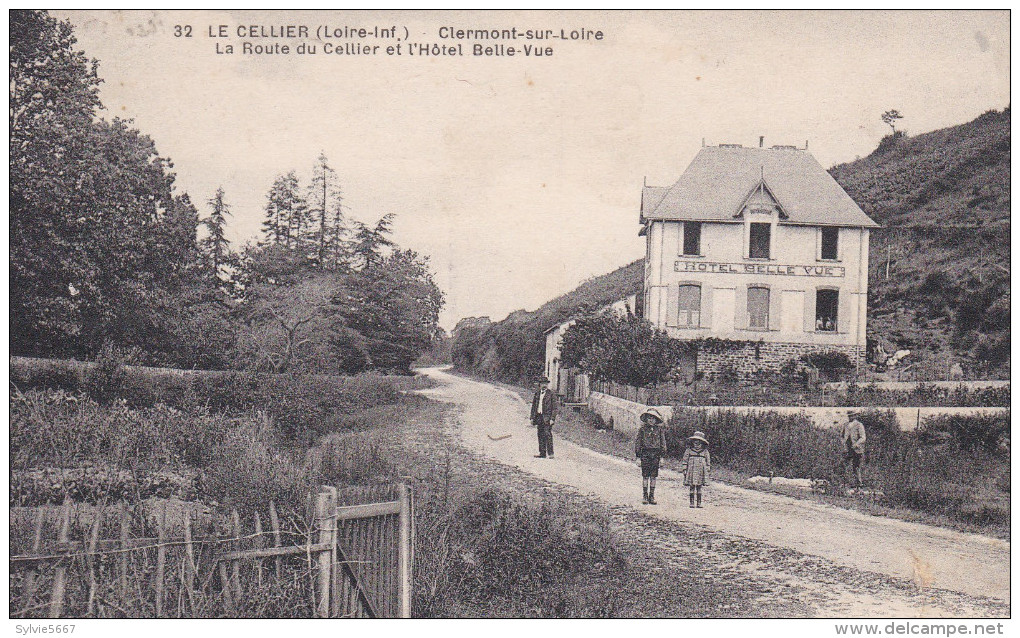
[
  {"x": 370, "y": 242},
  {"x": 214, "y": 246},
  {"x": 327, "y": 223},
  {"x": 285, "y": 212}
]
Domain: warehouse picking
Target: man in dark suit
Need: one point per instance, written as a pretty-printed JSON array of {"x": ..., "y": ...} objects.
[{"x": 543, "y": 415}]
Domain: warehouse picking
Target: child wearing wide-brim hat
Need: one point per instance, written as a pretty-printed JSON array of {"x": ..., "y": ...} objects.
[
  {"x": 696, "y": 465},
  {"x": 649, "y": 446}
]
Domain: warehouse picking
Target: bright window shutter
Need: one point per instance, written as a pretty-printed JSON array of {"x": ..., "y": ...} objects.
[
  {"x": 843, "y": 312},
  {"x": 775, "y": 309},
  {"x": 809, "y": 309},
  {"x": 706, "y": 306},
  {"x": 672, "y": 304},
  {"x": 740, "y": 307}
]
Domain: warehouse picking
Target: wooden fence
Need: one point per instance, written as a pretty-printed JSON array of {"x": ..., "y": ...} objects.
[{"x": 350, "y": 555}]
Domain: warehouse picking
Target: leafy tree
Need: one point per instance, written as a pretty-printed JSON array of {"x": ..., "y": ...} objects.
[
  {"x": 438, "y": 353},
  {"x": 99, "y": 243},
  {"x": 53, "y": 99},
  {"x": 623, "y": 349},
  {"x": 390, "y": 310},
  {"x": 54, "y": 89},
  {"x": 288, "y": 326},
  {"x": 469, "y": 342},
  {"x": 890, "y": 118}
]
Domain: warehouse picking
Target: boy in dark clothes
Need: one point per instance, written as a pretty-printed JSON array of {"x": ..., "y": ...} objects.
[{"x": 649, "y": 446}]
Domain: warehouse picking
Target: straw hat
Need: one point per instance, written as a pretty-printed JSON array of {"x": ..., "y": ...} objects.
[
  {"x": 698, "y": 436},
  {"x": 654, "y": 413}
]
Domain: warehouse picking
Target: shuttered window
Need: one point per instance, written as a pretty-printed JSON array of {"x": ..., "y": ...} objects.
[
  {"x": 758, "y": 308},
  {"x": 690, "y": 306}
]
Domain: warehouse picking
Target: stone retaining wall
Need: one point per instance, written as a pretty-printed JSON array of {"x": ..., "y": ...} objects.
[{"x": 752, "y": 359}]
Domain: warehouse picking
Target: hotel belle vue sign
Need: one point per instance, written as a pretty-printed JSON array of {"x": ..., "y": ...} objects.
[{"x": 759, "y": 269}]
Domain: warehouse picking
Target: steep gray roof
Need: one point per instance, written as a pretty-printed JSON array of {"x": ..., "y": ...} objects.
[{"x": 717, "y": 184}]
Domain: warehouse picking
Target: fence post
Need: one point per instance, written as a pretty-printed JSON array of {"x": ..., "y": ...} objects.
[
  {"x": 259, "y": 544},
  {"x": 189, "y": 568},
  {"x": 325, "y": 516},
  {"x": 30, "y": 577},
  {"x": 235, "y": 565},
  {"x": 90, "y": 559},
  {"x": 406, "y": 551},
  {"x": 59, "y": 577},
  {"x": 122, "y": 559},
  {"x": 160, "y": 560},
  {"x": 274, "y": 520}
]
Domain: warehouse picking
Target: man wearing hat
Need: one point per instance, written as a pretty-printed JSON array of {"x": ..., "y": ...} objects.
[
  {"x": 853, "y": 435},
  {"x": 649, "y": 446},
  {"x": 543, "y": 415}
]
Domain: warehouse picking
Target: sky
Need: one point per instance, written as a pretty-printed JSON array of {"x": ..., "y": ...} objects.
[{"x": 520, "y": 177}]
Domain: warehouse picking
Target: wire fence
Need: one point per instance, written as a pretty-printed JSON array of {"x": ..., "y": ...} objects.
[{"x": 348, "y": 555}]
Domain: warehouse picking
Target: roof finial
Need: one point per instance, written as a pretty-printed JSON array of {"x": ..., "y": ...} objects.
[
  {"x": 761, "y": 141},
  {"x": 805, "y": 144},
  {"x": 702, "y": 142},
  {"x": 644, "y": 181}
]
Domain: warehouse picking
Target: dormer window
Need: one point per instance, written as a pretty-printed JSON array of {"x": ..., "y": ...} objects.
[{"x": 761, "y": 241}]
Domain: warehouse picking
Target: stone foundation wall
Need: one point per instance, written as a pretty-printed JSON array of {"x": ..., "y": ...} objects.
[{"x": 754, "y": 359}]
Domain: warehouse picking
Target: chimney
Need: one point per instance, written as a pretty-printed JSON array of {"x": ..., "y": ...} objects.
[{"x": 761, "y": 141}]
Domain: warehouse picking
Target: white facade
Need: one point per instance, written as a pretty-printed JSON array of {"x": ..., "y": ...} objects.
[
  {"x": 757, "y": 245},
  {"x": 792, "y": 274}
]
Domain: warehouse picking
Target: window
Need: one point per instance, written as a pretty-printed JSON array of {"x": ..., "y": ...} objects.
[
  {"x": 826, "y": 307},
  {"x": 690, "y": 306},
  {"x": 758, "y": 308},
  {"x": 692, "y": 238},
  {"x": 830, "y": 243},
  {"x": 761, "y": 236}
]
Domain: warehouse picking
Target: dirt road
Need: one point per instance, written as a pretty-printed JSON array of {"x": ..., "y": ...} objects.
[{"x": 854, "y": 564}]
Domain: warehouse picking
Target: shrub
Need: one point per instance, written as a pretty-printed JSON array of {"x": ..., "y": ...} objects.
[
  {"x": 304, "y": 406},
  {"x": 763, "y": 443},
  {"x": 103, "y": 381},
  {"x": 39, "y": 374},
  {"x": 249, "y": 469},
  {"x": 989, "y": 432},
  {"x": 349, "y": 458},
  {"x": 507, "y": 548},
  {"x": 953, "y": 466}
]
